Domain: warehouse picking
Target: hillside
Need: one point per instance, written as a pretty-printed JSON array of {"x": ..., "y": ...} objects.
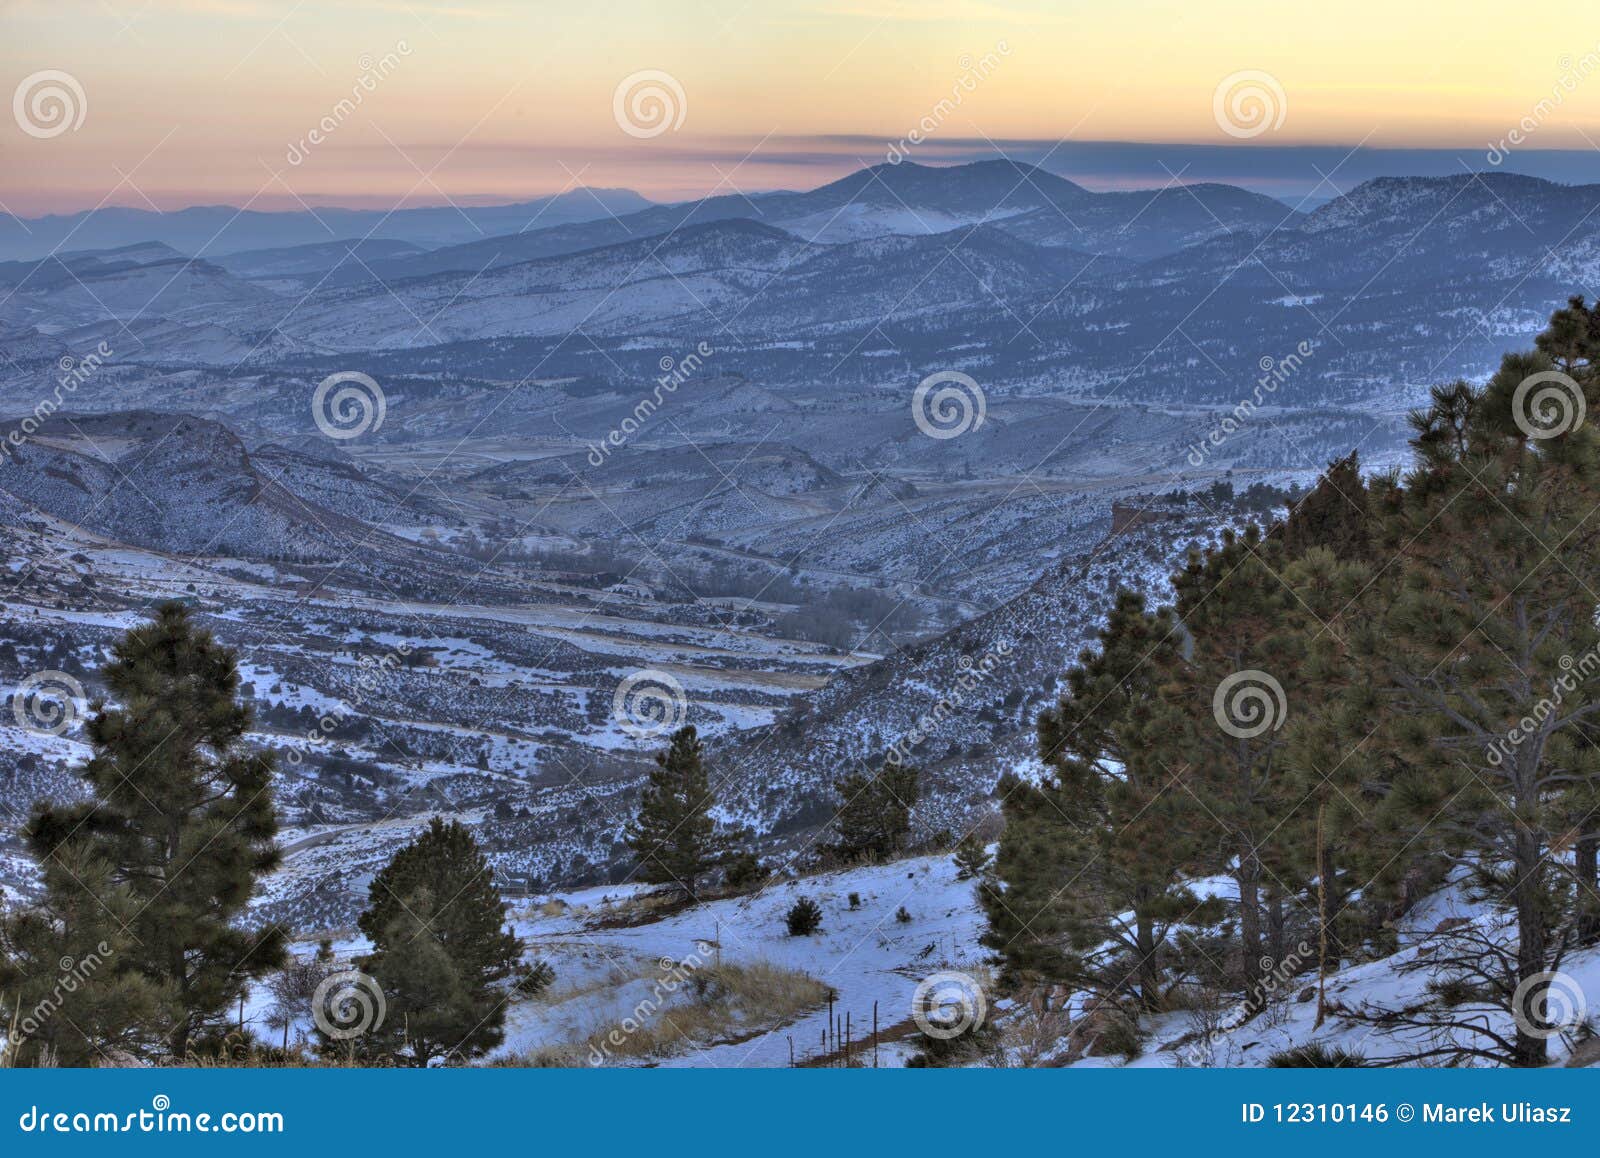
[
  {"x": 960, "y": 707},
  {"x": 188, "y": 486}
]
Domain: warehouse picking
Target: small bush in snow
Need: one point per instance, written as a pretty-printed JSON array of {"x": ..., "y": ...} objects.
[
  {"x": 803, "y": 918},
  {"x": 743, "y": 870}
]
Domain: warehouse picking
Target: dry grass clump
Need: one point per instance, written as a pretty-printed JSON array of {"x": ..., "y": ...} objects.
[
  {"x": 724, "y": 1003},
  {"x": 628, "y": 912}
]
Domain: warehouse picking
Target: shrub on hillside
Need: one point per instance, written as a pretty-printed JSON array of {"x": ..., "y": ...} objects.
[
  {"x": 803, "y": 918},
  {"x": 743, "y": 870}
]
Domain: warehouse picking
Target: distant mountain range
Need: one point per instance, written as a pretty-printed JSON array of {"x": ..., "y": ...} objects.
[
  {"x": 215, "y": 230},
  {"x": 1024, "y": 280},
  {"x": 905, "y": 200}
]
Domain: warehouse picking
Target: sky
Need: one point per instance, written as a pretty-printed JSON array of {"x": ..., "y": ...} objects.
[{"x": 271, "y": 105}]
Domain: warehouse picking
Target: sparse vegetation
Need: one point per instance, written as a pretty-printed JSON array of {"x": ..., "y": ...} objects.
[{"x": 715, "y": 1003}]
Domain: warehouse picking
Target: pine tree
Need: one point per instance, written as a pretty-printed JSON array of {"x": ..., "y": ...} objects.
[
  {"x": 1328, "y": 539},
  {"x": 182, "y": 813},
  {"x": 673, "y": 836},
  {"x": 1332, "y": 776},
  {"x": 803, "y": 918},
  {"x": 873, "y": 813},
  {"x": 1031, "y": 917},
  {"x": 1224, "y": 701},
  {"x": 442, "y": 955},
  {"x": 67, "y": 995},
  {"x": 1334, "y": 514},
  {"x": 1484, "y": 656},
  {"x": 971, "y": 857},
  {"x": 1109, "y": 835},
  {"x": 1572, "y": 344}
]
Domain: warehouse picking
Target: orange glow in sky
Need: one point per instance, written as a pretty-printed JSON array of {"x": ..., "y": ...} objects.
[{"x": 215, "y": 101}]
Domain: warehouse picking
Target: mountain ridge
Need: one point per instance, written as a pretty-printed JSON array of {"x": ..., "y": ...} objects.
[{"x": 218, "y": 230}]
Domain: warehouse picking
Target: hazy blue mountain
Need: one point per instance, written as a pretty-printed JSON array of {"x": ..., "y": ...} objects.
[
  {"x": 901, "y": 200},
  {"x": 215, "y": 230},
  {"x": 1027, "y": 282}
]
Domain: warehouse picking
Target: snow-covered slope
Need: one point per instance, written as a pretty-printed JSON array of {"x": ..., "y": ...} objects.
[
  {"x": 173, "y": 482},
  {"x": 620, "y": 966}
]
